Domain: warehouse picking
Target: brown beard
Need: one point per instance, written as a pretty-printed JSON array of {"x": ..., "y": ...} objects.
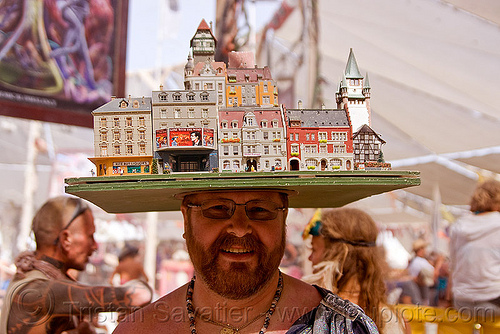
[{"x": 240, "y": 281}]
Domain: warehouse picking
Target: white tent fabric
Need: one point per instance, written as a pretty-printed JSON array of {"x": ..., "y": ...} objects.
[{"x": 434, "y": 73}]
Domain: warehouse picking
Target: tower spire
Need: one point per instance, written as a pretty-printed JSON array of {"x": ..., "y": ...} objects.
[{"x": 351, "y": 69}]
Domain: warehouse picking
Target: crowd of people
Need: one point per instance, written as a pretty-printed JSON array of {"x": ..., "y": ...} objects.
[{"x": 236, "y": 241}]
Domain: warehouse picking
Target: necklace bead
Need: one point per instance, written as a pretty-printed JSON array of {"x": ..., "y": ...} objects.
[{"x": 227, "y": 328}]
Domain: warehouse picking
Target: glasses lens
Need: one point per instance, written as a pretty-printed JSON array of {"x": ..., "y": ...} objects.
[
  {"x": 262, "y": 210},
  {"x": 217, "y": 208}
]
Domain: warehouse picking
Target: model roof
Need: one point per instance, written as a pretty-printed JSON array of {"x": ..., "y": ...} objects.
[
  {"x": 319, "y": 117},
  {"x": 365, "y": 129},
  {"x": 351, "y": 69},
  {"x": 125, "y": 104}
]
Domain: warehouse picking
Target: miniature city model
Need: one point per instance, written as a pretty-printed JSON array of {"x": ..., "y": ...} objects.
[{"x": 228, "y": 119}]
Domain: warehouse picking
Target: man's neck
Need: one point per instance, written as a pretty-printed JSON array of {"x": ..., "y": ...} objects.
[
  {"x": 43, "y": 256},
  {"x": 209, "y": 304}
]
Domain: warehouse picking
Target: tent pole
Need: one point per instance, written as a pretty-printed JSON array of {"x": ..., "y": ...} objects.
[{"x": 30, "y": 185}]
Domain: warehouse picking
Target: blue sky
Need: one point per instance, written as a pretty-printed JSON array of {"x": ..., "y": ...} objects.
[
  {"x": 158, "y": 40},
  {"x": 147, "y": 47}
]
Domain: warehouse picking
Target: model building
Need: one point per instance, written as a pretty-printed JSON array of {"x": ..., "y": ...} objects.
[{"x": 228, "y": 119}]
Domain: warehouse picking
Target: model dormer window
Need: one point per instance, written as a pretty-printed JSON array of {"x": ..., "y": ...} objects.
[
  {"x": 234, "y": 124},
  {"x": 190, "y": 96},
  {"x": 204, "y": 96},
  {"x": 249, "y": 121},
  {"x": 162, "y": 96},
  {"x": 177, "y": 96}
]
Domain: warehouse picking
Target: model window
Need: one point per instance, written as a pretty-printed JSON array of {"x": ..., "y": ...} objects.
[
  {"x": 116, "y": 122},
  {"x": 224, "y": 125},
  {"x": 129, "y": 149},
  {"x": 177, "y": 113},
  {"x": 265, "y": 135},
  {"x": 235, "y": 150},
  {"x": 226, "y": 150},
  {"x": 103, "y": 136},
  {"x": 117, "y": 149},
  {"x": 275, "y": 124},
  {"x": 234, "y": 124},
  {"x": 142, "y": 135},
  {"x": 103, "y": 122},
  {"x": 104, "y": 151},
  {"x": 142, "y": 121},
  {"x": 129, "y": 135},
  {"x": 116, "y": 136},
  {"x": 191, "y": 113},
  {"x": 190, "y": 97},
  {"x": 336, "y": 162},
  {"x": 142, "y": 148},
  {"x": 311, "y": 162},
  {"x": 177, "y": 97},
  {"x": 236, "y": 165}
]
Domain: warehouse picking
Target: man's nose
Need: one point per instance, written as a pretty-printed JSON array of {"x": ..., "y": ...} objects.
[{"x": 239, "y": 223}]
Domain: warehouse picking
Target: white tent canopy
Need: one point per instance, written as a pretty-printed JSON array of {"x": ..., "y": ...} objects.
[{"x": 434, "y": 73}]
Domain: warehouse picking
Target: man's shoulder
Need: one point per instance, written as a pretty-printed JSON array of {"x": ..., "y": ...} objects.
[
  {"x": 167, "y": 312},
  {"x": 332, "y": 309}
]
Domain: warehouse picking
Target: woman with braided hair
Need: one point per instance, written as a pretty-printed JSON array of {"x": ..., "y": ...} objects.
[{"x": 347, "y": 261}]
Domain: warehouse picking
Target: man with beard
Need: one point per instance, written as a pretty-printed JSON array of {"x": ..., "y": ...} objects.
[
  {"x": 43, "y": 297},
  {"x": 236, "y": 240}
]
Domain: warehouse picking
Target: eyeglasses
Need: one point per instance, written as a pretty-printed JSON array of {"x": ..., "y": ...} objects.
[
  {"x": 224, "y": 209},
  {"x": 79, "y": 209}
]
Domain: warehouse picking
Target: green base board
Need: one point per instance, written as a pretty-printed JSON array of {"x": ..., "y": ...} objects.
[{"x": 120, "y": 194}]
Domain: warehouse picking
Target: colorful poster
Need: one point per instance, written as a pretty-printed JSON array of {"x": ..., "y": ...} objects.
[
  {"x": 191, "y": 137},
  {"x": 208, "y": 137},
  {"x": 161, "y": 138},
  {"x": 61, "y": 59}
]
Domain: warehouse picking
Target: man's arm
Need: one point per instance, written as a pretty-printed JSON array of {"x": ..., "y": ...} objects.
[{"x": 41, "y": 301}]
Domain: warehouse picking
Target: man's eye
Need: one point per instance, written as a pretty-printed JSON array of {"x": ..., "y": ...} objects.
[
  {"x": 218, "y": 208},
  {"x": 258, "y": 209}
]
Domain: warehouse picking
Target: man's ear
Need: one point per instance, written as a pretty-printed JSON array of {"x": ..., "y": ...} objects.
[
  {"x": 65, "y": 239},
  {"x": 184, "y": 210}
]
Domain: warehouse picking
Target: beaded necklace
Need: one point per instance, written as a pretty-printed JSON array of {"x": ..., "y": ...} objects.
[{"x": 227, "y": 328}]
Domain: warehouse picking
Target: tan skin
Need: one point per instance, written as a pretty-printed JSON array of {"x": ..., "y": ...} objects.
[
  {"x": 48, "y": 306},
  {"x": 169, "y": 313}
]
